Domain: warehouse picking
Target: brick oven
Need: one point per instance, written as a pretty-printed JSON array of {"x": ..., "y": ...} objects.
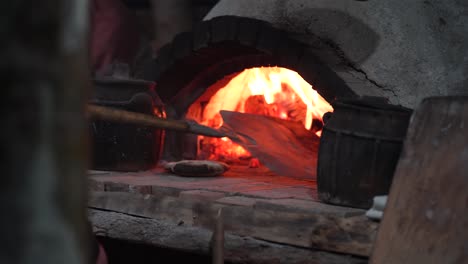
[
  {"x": 196, "y": 65},
  {"x": 193, "y": 75},
  {"x": 245, "y": 65},
  {"x": 332, "y": 81},
  {"x": 336, "y": 48}
]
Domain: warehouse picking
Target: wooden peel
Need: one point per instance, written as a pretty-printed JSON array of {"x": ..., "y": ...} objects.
[
  {"x": 127, "y": 117},
  {"x": 268, "y": 139},
  {"x": 277, "y": 144}
]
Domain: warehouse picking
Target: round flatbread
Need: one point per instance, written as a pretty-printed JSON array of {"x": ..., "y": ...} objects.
[{"x": 197, "y": 168}]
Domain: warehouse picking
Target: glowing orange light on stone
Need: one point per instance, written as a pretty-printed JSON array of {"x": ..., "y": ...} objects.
[{"x": 283, "y": 94}]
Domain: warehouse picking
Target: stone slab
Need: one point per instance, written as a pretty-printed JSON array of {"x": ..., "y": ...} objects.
[
  {"x": 235, "y": 182},
  {"x": 297, "y": 205},
  {"x": 201, "y": 195},
  {"x": 327, "y": 227},
  {"x": 284, "y": 193},
  {"x": 238, "y": 201}
]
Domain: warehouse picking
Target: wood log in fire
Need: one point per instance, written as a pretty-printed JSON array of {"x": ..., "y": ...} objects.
[{"x": 293, "y": 112}]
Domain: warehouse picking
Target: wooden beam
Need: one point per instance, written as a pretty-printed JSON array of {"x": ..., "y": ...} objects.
[
  {"x": 326, "y": 227},
  {"x": 182, "y": 237},
  {"x": 44, "y": 132}
]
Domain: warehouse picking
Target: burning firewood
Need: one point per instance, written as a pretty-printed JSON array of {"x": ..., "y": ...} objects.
[
  {"x": 254, "y": 163},
  {"x": 293, "y": 110}
]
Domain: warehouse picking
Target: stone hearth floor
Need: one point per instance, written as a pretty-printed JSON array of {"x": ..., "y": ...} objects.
[
  {"x": 238, "y": 181},
  {"x": 256, "y": 205}
]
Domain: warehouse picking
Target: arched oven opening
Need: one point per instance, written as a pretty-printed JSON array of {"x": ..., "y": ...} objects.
[
  {"x": 278, "y": 93},
  {"x": 246, "y": 66}
]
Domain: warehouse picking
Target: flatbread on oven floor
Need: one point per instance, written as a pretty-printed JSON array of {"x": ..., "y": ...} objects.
[{"x": 197, "y": 168}]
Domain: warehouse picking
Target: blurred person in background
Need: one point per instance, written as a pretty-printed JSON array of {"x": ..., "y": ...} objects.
[{"x": 114, "y": 34}]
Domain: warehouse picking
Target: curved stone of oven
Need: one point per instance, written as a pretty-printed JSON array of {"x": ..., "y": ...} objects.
[
  {"x": 403, "y": 50},
  {"x": 186, "y": 67}
]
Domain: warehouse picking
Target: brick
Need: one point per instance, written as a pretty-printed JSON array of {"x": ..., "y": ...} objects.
[
  {"x": 94, "y": 185},
  {"x": 238, "y": 201},
  {"x": 240, "y": 187},
  {"x": 160, "y": 191},
  {"x": 116, "y": 187},
  {"x": 284, "y": 193},
  {"x": 201, "y": 195},
  {"x": 296, "y": 205},
  {"x": 142, "y": 189}
]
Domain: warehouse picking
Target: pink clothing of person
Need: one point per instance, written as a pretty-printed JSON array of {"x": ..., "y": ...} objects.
[
  {"x": 102, "y": 257},
  {"x": 114, "y": 35}
]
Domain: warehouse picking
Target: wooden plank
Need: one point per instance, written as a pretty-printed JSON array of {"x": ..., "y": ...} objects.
[
  {"x": 45, "y": 82},
  {"x": 322, "y": 226},
  {"x": 426, "y": 219},
  {"x": 179, "y": 236}
]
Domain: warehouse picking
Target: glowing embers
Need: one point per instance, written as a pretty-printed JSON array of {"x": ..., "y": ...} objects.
[{"x": 270, "y": 91}]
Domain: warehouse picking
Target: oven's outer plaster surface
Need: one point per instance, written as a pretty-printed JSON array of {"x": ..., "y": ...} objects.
[{"x": 404, "y": 50}]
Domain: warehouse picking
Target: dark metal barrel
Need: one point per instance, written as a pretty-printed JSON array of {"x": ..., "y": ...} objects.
[
  {"x": 125, "y": 147},
  {"x": 359, "y": 149}
]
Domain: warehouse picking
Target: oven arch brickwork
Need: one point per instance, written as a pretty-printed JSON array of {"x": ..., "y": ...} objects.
[
  {"x": 402, "y": 50},
  {"x": 229, "y": 44},
  {"x": 193, "y": 61}
]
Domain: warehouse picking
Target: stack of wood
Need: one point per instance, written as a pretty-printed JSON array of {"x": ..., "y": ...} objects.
[
  {"x": 286, "y": 109},
  {"x": 283, "y": 108}
]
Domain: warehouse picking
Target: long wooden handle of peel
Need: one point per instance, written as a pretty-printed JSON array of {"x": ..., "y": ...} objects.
[{"x": 127, "y": 117}]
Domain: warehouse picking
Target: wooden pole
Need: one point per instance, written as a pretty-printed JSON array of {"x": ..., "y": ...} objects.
[
  {"x": 123, "y": 116},
  {"x": 44, "y": 75},
  {"x": 217, "y": 240}
]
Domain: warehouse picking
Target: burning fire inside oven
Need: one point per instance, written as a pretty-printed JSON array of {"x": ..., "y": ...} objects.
[{"x": 270, "y": 91}]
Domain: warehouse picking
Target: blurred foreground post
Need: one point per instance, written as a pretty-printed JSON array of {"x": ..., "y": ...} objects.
[
  {"x": 44, "y": 84},
  {"x": 425, "y": 219}
]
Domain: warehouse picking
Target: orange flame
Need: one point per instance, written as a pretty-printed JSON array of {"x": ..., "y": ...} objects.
[{"x": 283, "y": 94}]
